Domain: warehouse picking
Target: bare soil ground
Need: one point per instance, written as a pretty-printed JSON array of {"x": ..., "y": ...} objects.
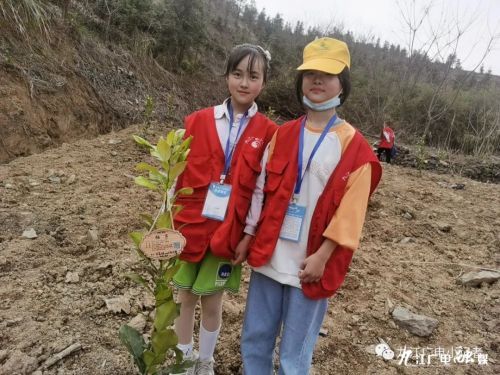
[{"x": 420, "y": 235}]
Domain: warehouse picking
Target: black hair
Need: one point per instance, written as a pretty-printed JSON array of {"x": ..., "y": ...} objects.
[
  {"x": 254, "y": 52},
  {"x": 345, "y": 82}
]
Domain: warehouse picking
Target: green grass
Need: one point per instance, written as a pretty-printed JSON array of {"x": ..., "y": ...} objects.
[{"x": 21, "y": 15}]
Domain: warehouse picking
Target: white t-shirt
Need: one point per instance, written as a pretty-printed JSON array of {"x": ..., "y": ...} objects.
[{"x": 288, "y": 256}]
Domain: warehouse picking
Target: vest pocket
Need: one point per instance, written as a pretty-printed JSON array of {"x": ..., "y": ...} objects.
[
  {"x": 249, "y": 171},
  {"x": 198, "y": 172},
  {"x": 274, "y": 171}
]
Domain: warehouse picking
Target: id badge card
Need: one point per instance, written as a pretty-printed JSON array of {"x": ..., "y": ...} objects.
[
  {"x": 292, "y": 225},
  {"x": 216, "y": 202}
]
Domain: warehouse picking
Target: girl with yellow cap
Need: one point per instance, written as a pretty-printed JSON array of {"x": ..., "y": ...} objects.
[{"x": 317, "y": 175}]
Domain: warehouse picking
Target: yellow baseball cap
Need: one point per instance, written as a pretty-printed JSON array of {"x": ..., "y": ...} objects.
[{"x": 326, "y": 55}]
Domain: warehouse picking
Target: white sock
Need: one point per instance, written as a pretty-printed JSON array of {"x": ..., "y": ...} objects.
[
  {"x": 207, "y": 343},
  {"x": 187, "y": 349}
]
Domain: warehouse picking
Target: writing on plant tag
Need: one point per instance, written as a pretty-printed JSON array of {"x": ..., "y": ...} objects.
[{"x": 163, "y": 244}]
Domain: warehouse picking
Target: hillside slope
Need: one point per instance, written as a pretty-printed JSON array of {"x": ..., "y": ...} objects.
[
  {"x": 77, "y": 86},
  {"x": 420, "y": 236}
]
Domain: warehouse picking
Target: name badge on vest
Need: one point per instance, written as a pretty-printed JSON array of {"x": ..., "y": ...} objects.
[
  {"x": 292, "y": 225},
  {"x": 216, "y": 202}
]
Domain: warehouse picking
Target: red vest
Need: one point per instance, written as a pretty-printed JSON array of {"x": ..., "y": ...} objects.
[
  {"x": 384, "y": 143},
  {"x": 281, "y": 176},
  {"x": 205, "y": 165}
]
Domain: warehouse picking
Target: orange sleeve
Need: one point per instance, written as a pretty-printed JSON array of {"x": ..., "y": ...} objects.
[
  {"x": 272, "y": 144},
  {"x": 347, "y": 222}
]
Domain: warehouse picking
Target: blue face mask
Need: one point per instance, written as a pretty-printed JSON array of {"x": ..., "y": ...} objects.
[{"x": 324, "y": 106}]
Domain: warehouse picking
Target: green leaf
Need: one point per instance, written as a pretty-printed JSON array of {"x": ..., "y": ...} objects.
[
  {"x": 171, "y": 137},
  {"x": 163, "y": 340},
  {"x": 159, "y": 178},
  {"x": 143, "y": 181},
  {"x": 176, "y": 209},
  {"x": 154, "y": 153},
  {"x": 179, "y": 133},
  {"x": 162, "y": 293},
  {"x": 185, "y": 191},
  {"x": 147, "y": 167},
  {"x": 141, "y": 141},
  {"x": 135, "y": 344},
  {"x": 163, "y": 148},
  {"x": 179, "y": 355},
  {"x": 149, "y": 358},
  {"x": 186, "y": 143},
  {"x": 147, "y": 220},
  {"x": 136, "y": 237},
  {"x": 176, "y": 170},
  {"x": 137, "y": 279},
  {"x": 170, "y": 272},
  {"x": 185, "y": 155},
  {"x": 165, "y": 315},
  {"x": 164, "y": 221}
]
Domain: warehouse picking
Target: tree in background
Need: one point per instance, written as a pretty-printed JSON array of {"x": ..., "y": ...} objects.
[{"x": 434, "y": 73}]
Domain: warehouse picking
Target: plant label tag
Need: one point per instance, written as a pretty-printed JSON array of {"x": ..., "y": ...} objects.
[
  {"x": 163, "y": 244},
  {"x": 294, "y": 217},
  {"x": 216, "y": 202}
]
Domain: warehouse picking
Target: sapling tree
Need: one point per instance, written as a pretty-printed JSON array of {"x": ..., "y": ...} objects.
[{"x": 158, "y": 247}]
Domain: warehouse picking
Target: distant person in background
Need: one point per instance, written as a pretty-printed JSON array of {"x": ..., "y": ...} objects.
[
  {"x": 223, "y": 165},
  {"x": 386, "y": 144},
  {"x": 311, "y": 196}
]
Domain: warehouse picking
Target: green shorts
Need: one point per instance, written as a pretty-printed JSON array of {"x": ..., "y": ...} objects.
[{"x": 209, "y": 276}]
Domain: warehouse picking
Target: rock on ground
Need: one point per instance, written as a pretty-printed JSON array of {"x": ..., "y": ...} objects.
[{"x": 419, "y": 325}]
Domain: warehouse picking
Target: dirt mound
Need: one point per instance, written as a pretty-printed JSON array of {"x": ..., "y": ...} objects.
[
  {"x": 421, "y": 234},
  {"x": 484, "y": 169}
]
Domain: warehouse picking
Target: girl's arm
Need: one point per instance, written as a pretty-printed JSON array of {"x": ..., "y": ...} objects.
[{"x": 241, "y": 251}]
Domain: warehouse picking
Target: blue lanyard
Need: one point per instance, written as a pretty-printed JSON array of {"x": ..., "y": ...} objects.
[
  {"x": 300, "y": 176},
  {"x": 228, "y": 152}
]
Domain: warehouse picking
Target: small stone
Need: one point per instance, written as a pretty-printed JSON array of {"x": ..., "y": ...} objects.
[
  {"x": 138, "y": 322},
  {"x": 457, "y": 186},
  {"x": 13, "y": 322},
  {"x": 30, "y": 233},
  {"x": 406, "y": 240},
  {"x": 323, "y": 332},
  {"x": 114, "y": 141},
  {"x": 93, "y": 236},
  {"x": 71, "y": 179},
  {"x": 419, "y": 325},
  {"x": 118, "y": 304},
  {"x": 72, "y": 278},
  {"x": 114, "y": 153},
  {"x": 55, "y": 179},
  {"x": 443, "y": 227},
  {"x": 9, "y": 186},
  {"x": 104, "y": 266},
  {"x": 477, "y": 278},
  {"x": 389, "y": 306},
  {"x": 407, "y": 216}
]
